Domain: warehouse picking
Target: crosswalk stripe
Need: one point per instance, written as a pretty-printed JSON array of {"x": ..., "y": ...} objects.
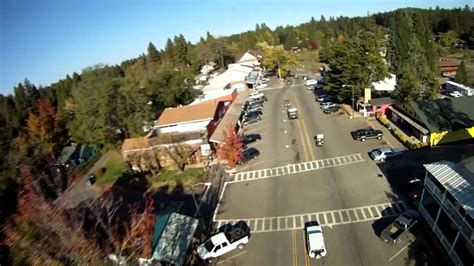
[
  {"x": 325, "y": 218},
  {"x": 296, "y": 168}
]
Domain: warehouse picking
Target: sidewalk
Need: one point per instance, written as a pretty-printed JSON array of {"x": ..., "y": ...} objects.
[{"x": 388, "y": 137}]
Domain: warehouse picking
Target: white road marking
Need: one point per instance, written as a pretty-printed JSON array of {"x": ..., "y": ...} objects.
[
  {"x": 301, "y": 167},
  {"x": 329, "y": 218},
  {"x": 233, "y": 257},
  {"x": 400, "y": 251},
  {"x": 248, "y": 166}
]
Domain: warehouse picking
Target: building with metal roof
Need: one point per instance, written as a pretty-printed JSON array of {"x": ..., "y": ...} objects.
[
  {"x": 172, "y": 237},
  {"x": 447, "y": 204}
]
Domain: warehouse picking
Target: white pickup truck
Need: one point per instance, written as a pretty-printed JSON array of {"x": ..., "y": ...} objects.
[{"x": 232, "y": 237}]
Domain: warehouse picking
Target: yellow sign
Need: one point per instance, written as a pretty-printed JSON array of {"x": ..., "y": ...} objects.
[{"x": 367, "y": 95}]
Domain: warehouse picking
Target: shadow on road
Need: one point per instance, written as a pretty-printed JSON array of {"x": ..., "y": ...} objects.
[{"x": 405, "y": 176}]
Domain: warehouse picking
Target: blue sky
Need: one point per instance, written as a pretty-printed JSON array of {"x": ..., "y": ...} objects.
[{"x": 43, "y": 40}]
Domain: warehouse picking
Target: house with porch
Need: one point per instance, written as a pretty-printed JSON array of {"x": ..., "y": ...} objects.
[
  {"x": 177, "y": 128},
  {"x": 447, "y": 205},
  {"x": 435, "y": 122}
]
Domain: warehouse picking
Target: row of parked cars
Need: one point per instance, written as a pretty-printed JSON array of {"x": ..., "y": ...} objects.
[{"x": 252, "y": 112}]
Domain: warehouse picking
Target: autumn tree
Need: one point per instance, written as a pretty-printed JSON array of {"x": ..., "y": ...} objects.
[
  {"x": 42, "y": 233},
  {"x": 276, "y": 57},
  {"x": 43, "y": 128},
  {"x": 232, "y": 147}
]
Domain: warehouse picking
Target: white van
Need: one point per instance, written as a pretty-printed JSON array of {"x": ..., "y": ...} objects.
[{"x": 315, "y": 240}]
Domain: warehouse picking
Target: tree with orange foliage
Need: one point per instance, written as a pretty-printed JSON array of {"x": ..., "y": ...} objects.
[
  {"x": 43, "y": 128},
  {"x": 232, "y": 147}
]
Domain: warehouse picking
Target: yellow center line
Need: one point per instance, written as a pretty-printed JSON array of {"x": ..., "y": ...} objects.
[
  {"x": 292, "y": 250},
  {"x": 306, "y": 261},
  {"x": 305, "y": 138},
  {"x": 295, "y": 254}
]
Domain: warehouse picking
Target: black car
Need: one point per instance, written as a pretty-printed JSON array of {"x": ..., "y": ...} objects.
[
  {"x": 249, "y": 138},
  {"x": 368, "y": 133},
  {"x": 248, "y": 105},
  {"x": 249, "y": 154},
  {"x": 253, "y": 113},
  {"x": 332, "y": 109},
  {"x": 251, "y": 119},
  {"x": 253, "y": 108},
  {"x": 325, "y": 98}
]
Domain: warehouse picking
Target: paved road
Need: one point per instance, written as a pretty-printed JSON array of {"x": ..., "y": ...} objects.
[
  {"x": 294, "y": 181},
  {"x": 79, "y": 190}
]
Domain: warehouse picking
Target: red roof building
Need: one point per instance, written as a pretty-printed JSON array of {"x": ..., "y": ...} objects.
[{"x": 448, "y": 67}]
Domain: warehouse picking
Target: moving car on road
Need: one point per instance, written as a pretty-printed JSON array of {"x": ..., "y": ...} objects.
[
  {"x": 249, "y": 154},
  {"x": 384, "y": 153},
  {"x": 395, "y": 231},
  {"x": 314, "y": 240},
  {"x": 237, "y": 236},
  {"x": 292, "y": 113},
  {"x": 249, "y": 138},
  {"x": 368, "y": 133}
]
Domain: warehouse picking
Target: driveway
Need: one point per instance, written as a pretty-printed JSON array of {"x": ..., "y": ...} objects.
[{"x": 79, "y": 191}]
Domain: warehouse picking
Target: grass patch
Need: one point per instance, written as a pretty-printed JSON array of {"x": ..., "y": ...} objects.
[
  {"x": 114, "y": 168},
  {"x": 179, "y": 176}
]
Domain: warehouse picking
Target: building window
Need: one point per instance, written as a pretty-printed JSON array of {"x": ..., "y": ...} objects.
[
  {"x": 464, "y": 251},
  {"x": 447, "y": 226},
  {"x": 430, "y": 204}
]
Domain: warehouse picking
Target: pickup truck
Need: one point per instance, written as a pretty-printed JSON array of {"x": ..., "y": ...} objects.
[
  {"x": 395, "y": 231},
  {"x": 228, "y": 239}
]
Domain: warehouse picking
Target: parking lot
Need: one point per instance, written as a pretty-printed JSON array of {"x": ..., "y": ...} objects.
[{"x": 294, "y": 181}]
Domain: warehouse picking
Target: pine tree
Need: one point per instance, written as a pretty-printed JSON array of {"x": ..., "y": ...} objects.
[
  {"x": 461, "y": 75},
  {"x": 153, "y": 55}
]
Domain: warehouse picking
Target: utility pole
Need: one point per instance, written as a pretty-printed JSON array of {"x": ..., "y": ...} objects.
[{"x": 353, "y": 100}]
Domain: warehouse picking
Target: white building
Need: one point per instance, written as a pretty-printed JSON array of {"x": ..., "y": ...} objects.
[{"x": 386, "y": 85}]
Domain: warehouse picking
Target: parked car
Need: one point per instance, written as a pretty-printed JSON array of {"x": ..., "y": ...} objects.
[
  {"x": 236, "y": 237},
  {"x": 261, "y": 86},
  {"x": 368, "y": 133},
  {"x": 253, "y": 113},
  {"x": 256, "y": 95},
  {"x": 314, "y": 240},
  {"x": 455, "y": 94},
  {"x": 248, "y": 120},
  {"x": 259, "y": 100},
  {"x": 395, "y": 231},
  {"x": 249, "y": 138},
  {"x": 310, "y": 82},
  {"x": 248, "y": 105},
  {"x": 325, "y": 98},
  {"x": 332, "y": 109},
  {"x": 249, "y": 154},
  {"x": 384, "y": 153},
  {"x": 326, "y": 105},
  {"x": 253, "y": 108}
]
